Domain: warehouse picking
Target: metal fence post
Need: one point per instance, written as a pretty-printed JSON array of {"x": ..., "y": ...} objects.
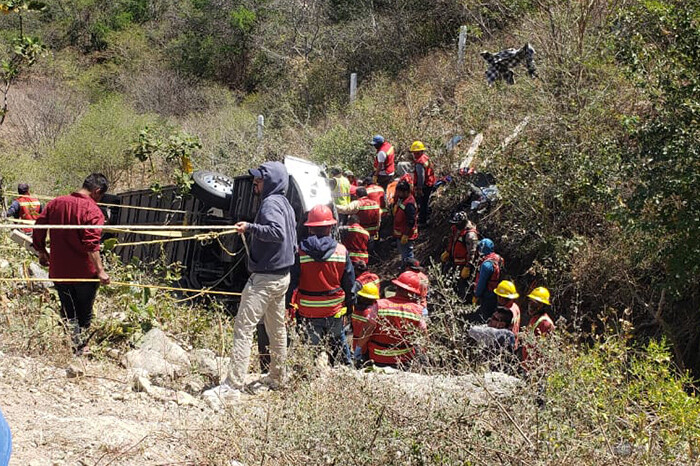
[
  {"x": 353, "y": 87},
  {"x": 461, "y": 45},
  {"x": 261, "y": 125}
]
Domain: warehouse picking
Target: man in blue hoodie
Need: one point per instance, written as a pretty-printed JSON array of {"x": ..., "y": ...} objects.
[
  {"x": 324, "y": 278},
  {"x": 272, "y": 243}
]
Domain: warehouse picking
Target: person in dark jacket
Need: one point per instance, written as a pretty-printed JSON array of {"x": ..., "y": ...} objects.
[
  {"x": 324, "y": 278},
  {"x": 272, "y": 247}
]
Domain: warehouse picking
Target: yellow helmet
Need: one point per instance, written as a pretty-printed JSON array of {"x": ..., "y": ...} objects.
[
  {"x": 369, "y": 291},
  {"x": 540, "y": 294},
  {"x": 506, "y": 289},
  {"x": 417, "y": 146}
]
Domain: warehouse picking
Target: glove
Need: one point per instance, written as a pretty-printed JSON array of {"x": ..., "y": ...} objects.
[
  {"x": 475, "y": 300},
  {"x": 404, "y": 239},
  {"x": 465, "y": 272},
  {"x": 444, "y": 256}
]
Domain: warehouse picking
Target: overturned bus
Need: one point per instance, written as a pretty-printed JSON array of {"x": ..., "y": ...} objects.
[{"x": 215, "y": 199}]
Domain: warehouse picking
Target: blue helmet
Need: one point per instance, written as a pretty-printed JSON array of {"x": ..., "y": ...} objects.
[
  {"x": 378, "y": 139},
  {"x": 485, "y": 246}
]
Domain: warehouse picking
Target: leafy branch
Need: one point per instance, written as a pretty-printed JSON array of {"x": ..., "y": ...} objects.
[{"x": 179, "y": 148}]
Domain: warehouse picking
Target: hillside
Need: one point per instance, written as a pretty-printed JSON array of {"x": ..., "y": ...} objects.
[{"x": 599, "y": 196}]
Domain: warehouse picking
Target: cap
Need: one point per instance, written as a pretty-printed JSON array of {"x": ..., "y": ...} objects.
[{"x": 256, "y": 172}]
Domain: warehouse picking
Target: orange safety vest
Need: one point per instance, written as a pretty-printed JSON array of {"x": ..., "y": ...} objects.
[
  {"x": 320, "y": 293},
  {"x": 429, "y": 173},
  {"x": 498, "y": 263},
  {"x": 388, "y": 149},
  {"x": 398, "y": 319},
  {"x": 544, "y": 321},
  {"x": 376, "y": 193},
  {"x": 29, "y": 209},
  {"x": 355, "y": 239},
  {"x": 400, "y": 226},
  {"x": 358, "y": 320},
  {"x": 457, "y": 246},
  {"x": 370, "y": 215}
]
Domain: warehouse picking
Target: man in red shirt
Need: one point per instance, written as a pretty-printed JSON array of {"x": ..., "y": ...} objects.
[{"x": 75, "y": 253}]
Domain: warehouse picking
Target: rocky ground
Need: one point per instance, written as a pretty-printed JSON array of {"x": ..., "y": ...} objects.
[{"x": 142, "y": 408}]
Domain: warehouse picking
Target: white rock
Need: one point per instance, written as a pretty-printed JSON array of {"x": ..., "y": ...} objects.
[
  {"x": 208, "y": 364},
  {"x": 156, "y": 340}
]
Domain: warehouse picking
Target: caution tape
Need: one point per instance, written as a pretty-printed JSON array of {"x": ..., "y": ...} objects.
[{"x": 136, "y": 285}]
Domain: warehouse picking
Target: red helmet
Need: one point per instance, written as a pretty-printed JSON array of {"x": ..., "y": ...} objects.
[
  {"x": 320, "y": 216},
  {"x": 409, "y": 281}
]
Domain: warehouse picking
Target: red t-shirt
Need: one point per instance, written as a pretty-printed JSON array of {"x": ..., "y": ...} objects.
[{"x": 70, "y": 248}]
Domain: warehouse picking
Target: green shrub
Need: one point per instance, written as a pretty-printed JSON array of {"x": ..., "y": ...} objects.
[{"x": 98, "y": 142}]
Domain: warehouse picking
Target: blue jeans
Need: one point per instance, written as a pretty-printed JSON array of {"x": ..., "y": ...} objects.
[
  {"x": 329, "y": 332},
  {"x": 406, "y": 250},
  {"x": 5, "y": 442}
]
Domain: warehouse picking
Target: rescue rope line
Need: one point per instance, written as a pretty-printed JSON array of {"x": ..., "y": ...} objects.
[
  {"x": 199, "y": 237},
  {"x": 105, "y": 204},
  {"x": 136, "y": 285},
  {"x": 124, "y": 228}
]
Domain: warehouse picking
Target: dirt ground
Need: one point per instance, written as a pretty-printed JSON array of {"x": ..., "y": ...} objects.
[{"x": 93, "y": 420}]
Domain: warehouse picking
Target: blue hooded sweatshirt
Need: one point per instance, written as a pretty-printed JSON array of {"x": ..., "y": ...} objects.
[{"x": 273, "y": 235}]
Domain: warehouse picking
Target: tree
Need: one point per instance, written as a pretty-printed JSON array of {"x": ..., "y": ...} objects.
[{"x": 25, "y": 49}]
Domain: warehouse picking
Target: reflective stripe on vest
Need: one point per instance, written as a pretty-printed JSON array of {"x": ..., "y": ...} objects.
[
  {"x": 388, "y": 149},
  {"x": 497, "y": 262},
  {"x": 355, "y": 240},
  {"x": 400, "y": 219},
  {"x": 320, "y": 293},
  {"x": 428, "y": 168},
  {"x": 370, "y": 215},
  {"x": 393, "y": 352},
  {"x": 341, "y": 193},
  {"x": 542, "y": 318}
]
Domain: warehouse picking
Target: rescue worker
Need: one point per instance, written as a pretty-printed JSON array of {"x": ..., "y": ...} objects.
[
  {"x": 376, "y": 193},
  {"x": 394, "y": 325},
  {"x": 540, "y": 322},
  {"x": 383, "y": 161},
  {"x": 341, "y": 190},
  {"x": 351, "y": 178},
  {"x": 405, "y": 221},
  {"x": 324, "y": 279},
  {"x": 368, "y": 212},
  {"x": 366, "y": 297},
  {"x": 356, "y": 240},
  {"x": 25, "y": 207},
  {"x": 461, "y": 249},
  {"x": 424, "y": 179},
  {"x": 487, "y": 277},
  {"x": 364, "y": 276},
  {"x": 506, "y": 294}
]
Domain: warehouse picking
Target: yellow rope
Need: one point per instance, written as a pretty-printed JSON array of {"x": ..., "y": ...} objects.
[
  {"x": 124, "y": 228},
  {"x": 105, "y": 204},
  {"x": 136, "y": 285},
  {"x": 199, "y": 237}
]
